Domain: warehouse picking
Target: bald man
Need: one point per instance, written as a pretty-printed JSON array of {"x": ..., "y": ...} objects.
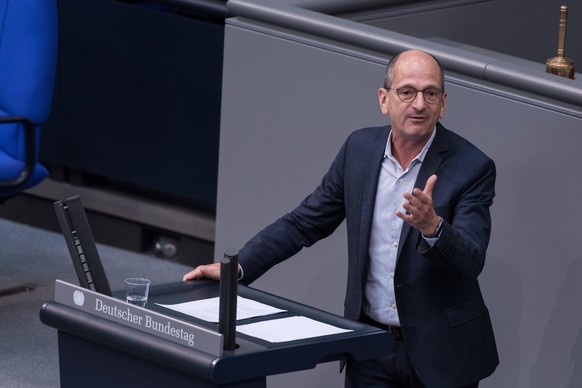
[{"x": 416, "y": 199}]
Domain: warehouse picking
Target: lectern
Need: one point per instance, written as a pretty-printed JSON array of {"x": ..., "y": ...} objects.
[{"x": 106, "y": 342}]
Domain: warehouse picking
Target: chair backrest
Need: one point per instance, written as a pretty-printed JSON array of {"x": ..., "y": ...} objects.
[{"x": 28, "y": 52}]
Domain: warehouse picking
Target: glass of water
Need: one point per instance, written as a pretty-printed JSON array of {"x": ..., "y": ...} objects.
[{"x": 137, "y": 290}]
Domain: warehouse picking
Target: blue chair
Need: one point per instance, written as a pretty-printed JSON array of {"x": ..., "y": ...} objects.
[{"x": 28, "y": 53}]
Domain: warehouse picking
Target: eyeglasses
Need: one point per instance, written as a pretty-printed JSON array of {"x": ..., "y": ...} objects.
[{"x": 408, "y": 94}]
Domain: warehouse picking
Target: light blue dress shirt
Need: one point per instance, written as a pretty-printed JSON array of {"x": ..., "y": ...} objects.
[{"x": 386, "y": 228}]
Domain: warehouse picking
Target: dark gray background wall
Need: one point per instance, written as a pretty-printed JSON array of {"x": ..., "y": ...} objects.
[
  {"x": 523, "y": 29},
  {"x": 290, "y": 100}
]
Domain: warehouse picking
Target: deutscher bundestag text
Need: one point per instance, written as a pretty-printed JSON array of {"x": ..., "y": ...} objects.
[{"x": 145, "y": 320}]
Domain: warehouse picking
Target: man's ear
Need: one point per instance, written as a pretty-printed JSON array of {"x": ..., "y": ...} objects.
[
  {"x": 383, "y": 96},
  {"x": 443, "y": 106}
]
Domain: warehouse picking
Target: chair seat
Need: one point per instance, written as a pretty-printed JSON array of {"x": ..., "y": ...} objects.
[{"x": 11, "y": 168}]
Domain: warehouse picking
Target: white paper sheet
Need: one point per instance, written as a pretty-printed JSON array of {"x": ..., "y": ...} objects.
[
  {"x": 289, "y": 329},
  {"x": 208, "y": 309}
]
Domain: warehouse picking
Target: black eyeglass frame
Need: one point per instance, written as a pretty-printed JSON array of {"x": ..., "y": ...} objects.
[{"x": 415, "y": 94}]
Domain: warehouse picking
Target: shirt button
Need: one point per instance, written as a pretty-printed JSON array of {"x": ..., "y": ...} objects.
[
  {"x": 394, "y": 306},
  {"x": 395, "y": 245}
]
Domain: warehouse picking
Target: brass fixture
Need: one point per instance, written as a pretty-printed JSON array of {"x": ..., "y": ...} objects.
[{"x": 561, "y": 65}]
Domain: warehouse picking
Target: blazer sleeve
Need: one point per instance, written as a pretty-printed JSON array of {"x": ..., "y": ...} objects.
[
  {"x": 318, "y": 216},
  {"x": 463, "y": 242}
]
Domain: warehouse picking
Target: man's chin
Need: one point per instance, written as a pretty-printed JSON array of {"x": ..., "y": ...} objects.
[{"x": 420, "y": 131}]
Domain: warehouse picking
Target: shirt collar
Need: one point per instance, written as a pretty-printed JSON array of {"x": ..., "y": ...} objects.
[{"x": 421, "y": 154}]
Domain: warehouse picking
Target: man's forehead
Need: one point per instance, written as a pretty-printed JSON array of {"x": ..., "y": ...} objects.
[
  {"x": 416, "y": 82},
  {"x": 417, "y": 70}
]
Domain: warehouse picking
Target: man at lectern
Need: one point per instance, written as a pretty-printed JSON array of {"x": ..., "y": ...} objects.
[{"x": 416, "y": 198}]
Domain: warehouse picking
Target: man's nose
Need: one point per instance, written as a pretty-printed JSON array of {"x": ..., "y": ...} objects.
[{"x": 419, "y": 102}]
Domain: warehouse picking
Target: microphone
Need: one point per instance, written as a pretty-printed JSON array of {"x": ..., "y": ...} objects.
[{"x": 228, "y": 298}]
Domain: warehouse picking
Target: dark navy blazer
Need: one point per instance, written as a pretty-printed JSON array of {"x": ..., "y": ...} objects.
[{"x": 444, "y": 319}]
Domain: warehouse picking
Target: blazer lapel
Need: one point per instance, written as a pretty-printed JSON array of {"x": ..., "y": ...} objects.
[
  {"x": 432, "y": 161},
  {"x": 370, "y": 181}
]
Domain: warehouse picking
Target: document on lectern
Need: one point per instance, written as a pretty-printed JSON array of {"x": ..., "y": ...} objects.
[
  {"x": 289, "y": 329},
  {"x": 208, "y": 309}
]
